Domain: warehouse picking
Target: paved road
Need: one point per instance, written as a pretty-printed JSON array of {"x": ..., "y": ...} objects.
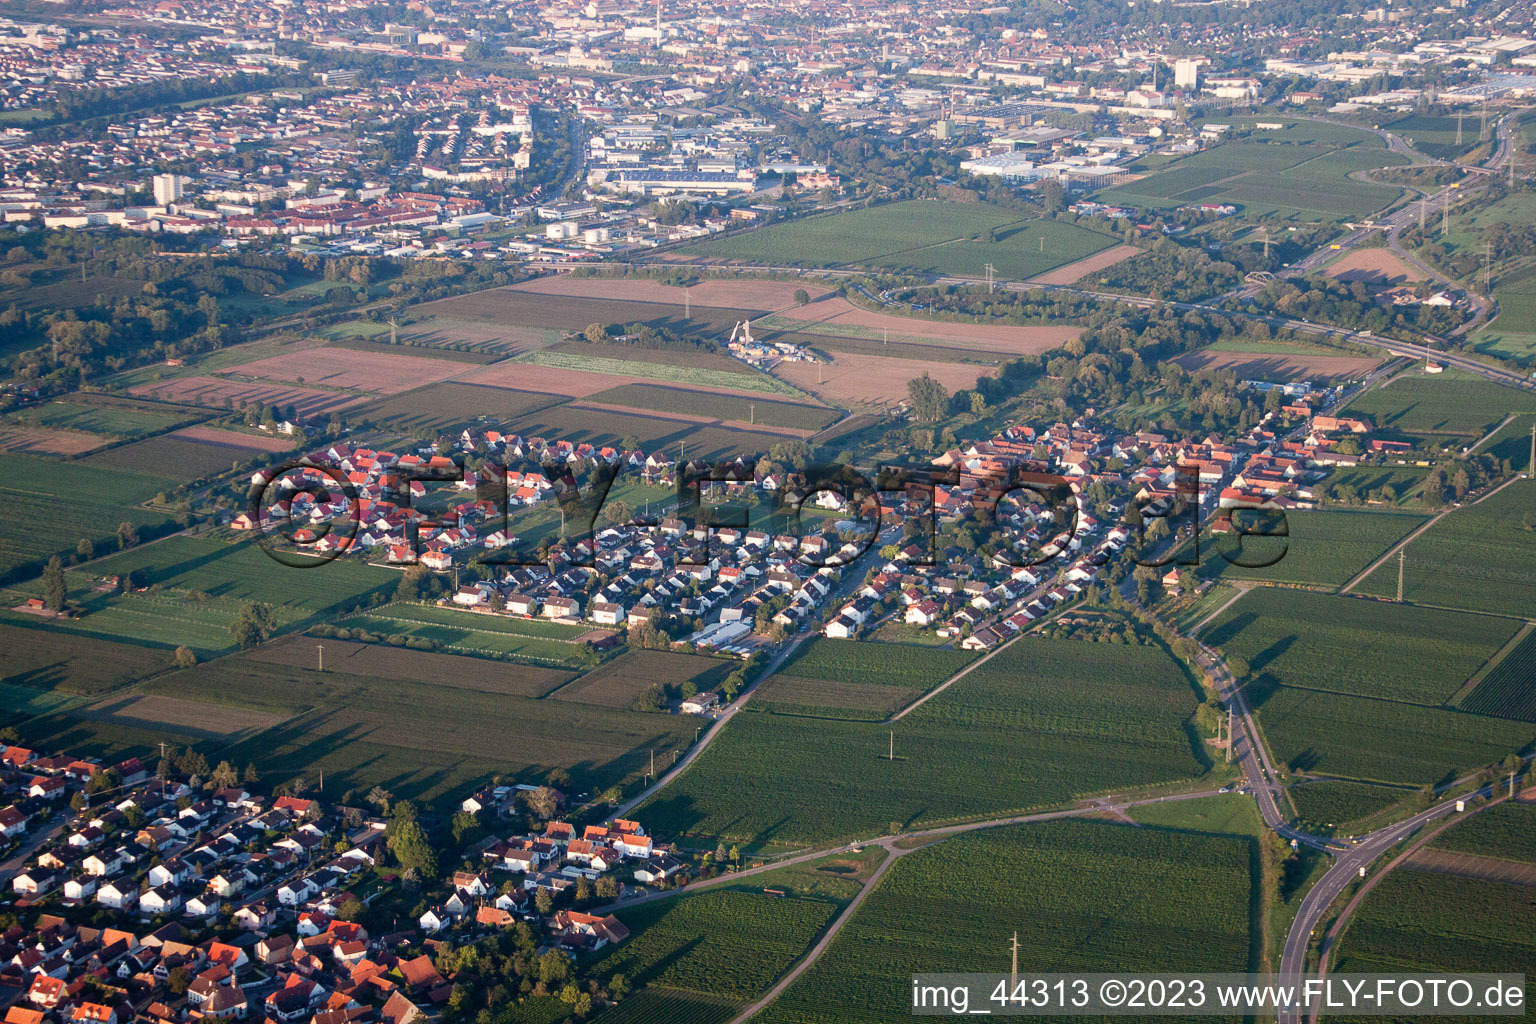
[{"x": 1346, "y": 868}]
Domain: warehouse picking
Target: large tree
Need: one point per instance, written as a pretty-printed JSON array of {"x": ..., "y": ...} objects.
[
  {"x": 928, "y": 398},
  {"x": 55, "y": 592}
]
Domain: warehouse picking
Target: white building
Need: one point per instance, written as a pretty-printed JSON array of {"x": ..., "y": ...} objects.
[
  {"x": 1186, "y": 73},
  {"x": 168, "y": 188}
]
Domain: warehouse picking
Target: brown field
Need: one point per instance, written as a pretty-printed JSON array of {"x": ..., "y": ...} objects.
[
  {"x": 450, "y": 403},
  {"x": 212, "y": 391},
  {"x": 829, "y": 315},
  {"x": 1279, "y": 365},
  {"x": 177, "y": 714},
  {"x": 378, "y": 661},
  {"x": 570, "y": 383},
  {"x": 379, "y": 373},
  {"x": 1073, "y": 272},
  {"x": 620, "y": 682},
  {"x": 1373, "y": 266},
  {"x": 874, "y": 380},
  {"x": 233, "y": 438},
  {"x": 744, "y": 294},
  {"x": 48, "y": 440},
  {"x": 500, "y": 339}
]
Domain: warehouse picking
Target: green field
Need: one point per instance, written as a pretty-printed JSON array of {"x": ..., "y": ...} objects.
[
  {"x": 723, "y": 943},
  {"x": 1506, "y": 832},
  {"x": 1390, "y": 485},
  {"x": 1326, "y": 548},
  {"x": 108, "y": 420},
  {"x": 1298, "y": 638},
  {"x": 853, "y": 679},
  {"x": 1435, "y": 136},
  {"x": 1481, "y": 558},
  {"x": 476, "y": 634},
  {"x": 50, "y": 506},
  {"x": 794, "y": 415},
  {"x": 197, "y": 585},
  {"x": 920, "y": 235},
  {"x": 1055, "y": 718},
  {"x": 666, "y": 372},
  {"x": 1295, "y": 173},
  {"x": 1509, "y": 690},
  {"x": 1079, "y": 894},
  {"x": 177, "y": 460},
  {"x": 1428, "y": 405},
  {"x": 1423, "y": 923},
  {"x": 52, "y": 661},
  {"x": 1381, "y": 740},
  {"x": 1328, "y": 803},
  {"x": 426, "y": 726},
  {"x": 657, "y": 1007}
]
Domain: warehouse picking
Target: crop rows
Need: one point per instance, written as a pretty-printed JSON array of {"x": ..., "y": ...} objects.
[
  {"x": 1416, "y": 922},
  {"x": 464, "y": 638},
  {"x": 658, "y": 371},
  {"x": 724, "y": 943},
  {"x": 656, "y": 1007},
  {"x": 1507, "y": 831},
  {"x": 796, "y": 695},
  {"x": 1481, "y": 557},
  {"x": 1079, "y": 894},
  {"x": 620, "y": 682},
  {"x": 852, "y": 661},
  {"x": 1455, "y": 406},
  {"x": 1329, "y": 802},
  {"x": 1509, "y": 691},
  {"x": 1322, "y": 547},
  {"x": 50, "y": 506},
  {"x": 1349, "y": 645},
  {"x": 1041, "y": 722}
]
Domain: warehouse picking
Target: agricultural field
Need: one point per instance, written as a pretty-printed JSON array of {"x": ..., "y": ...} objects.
[
  {"x": 1481, "y": 557},
  {"x": 196, "y": 586},
  {"x": 837, "y": 318},
  {"x": 1393, "y": 486},
  {"x": 1511, "y": 334},
  {"x": 731, "y": 380},
  {"x": 856, "y": 680},
  {"x": 1375, "y": 266},
  {"x": 607, "y": 427},
  {"x": 858, "y": 236},
  {"x": 477, "y": 336},
  {"x": 1057, "y": 718},
  {"x": 853, "y": 379},
  {"x": 1329, "y": 803},
  {"x": 448, "y": 404},
  {"x": 371, "y": 372},
  {"x": 221, "y": 393},
  {"x": 1428, "y": 405},
  {"x": 108, "y": 421},
  {"x": 1080, "y": 895},
  {"x": 656, "y": 1007},
  {"x": 1294, "y": 173},
  {"x": 375, "y": 661},
  {"x": 1278, "y": 360},
  {"x": 1019, "y": 252},
  {"x": 1415, "y": 922},
  {"x": 474, "y": 635},
  {"x": 1322, "y": 547},
  {"x": 620, "y": 683},
  {"x": 1506, "y": 831},
  {"x": 726, "y": 943},
  {"x": 1380, "y": 740},
  {"x": 1509, "y": 690},
  {"x": 1435, "y": 135},
  {"x": 423, "y": 740},
  {"x": 57, "y": 662},
  {"x": 510, "y": 305},
  {"x": 712, "y": 406},
  {"x": 1076, "y": 271},
  {"x": 173, "y": 458},
  {"x": 254, "y": 442},
  {"x": 757, "y": 295},
  {"x": 1389, "y": 652},
  {"x": 50, "y": 506}
]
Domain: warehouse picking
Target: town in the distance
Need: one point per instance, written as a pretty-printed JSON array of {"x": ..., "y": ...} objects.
[{"x": 662, "y": 512}]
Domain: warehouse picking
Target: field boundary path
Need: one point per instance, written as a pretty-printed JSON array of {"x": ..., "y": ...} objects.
[
  {"x": 1360, "y": 577},
  {"x": 1346, "y": 869},
  {"x": 946, "y": 684},
  {"x": 1470, "y": 865}
]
